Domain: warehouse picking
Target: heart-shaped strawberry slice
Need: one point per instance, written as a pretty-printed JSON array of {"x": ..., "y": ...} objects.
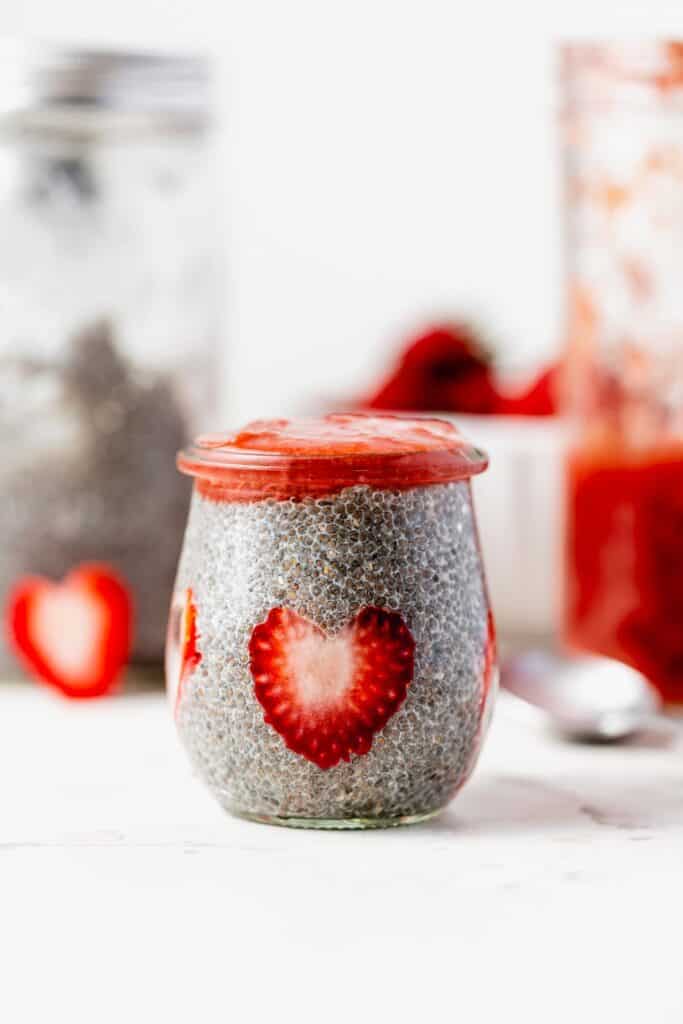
[
  {"x": 76, "y": 634},
  {"x": 327, "y": 696}
]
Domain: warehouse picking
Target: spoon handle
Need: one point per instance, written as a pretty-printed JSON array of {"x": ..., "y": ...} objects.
[{"x": 658, "y": 721}]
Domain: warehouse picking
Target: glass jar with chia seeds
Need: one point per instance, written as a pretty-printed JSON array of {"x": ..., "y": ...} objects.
[
  {"x": 330, "y": 654},
  {"x": 108, "y": 310}
]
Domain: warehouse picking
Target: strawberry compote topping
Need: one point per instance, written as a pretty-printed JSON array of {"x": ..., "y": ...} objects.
[{"x": 297, "y": 458}]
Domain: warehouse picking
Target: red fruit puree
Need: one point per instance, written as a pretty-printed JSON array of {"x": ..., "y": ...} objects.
[
  {"x": 625, "y": 559},
  {"x": 298, "y": 458}
]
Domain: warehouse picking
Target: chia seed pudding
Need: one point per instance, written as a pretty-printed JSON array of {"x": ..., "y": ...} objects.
[
  {"x": 92, "y": 442},
  {"x": 331, "y": 657},
  {"x": 109, "y": 290}
]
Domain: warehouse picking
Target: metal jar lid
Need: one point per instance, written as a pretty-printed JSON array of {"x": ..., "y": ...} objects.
[{"x": 40, "y": 79}]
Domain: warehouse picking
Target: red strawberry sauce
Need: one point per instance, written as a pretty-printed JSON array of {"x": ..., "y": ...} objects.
[
  {"x": 285, "y": 459},
  {"x": 625, "y": 559}
]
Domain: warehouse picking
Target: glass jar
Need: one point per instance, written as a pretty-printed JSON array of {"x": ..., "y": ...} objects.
[
  {"x": 330, "y": 655},
  {"x": 624, "y": 158},
  {"x": 108, "y": 309}
]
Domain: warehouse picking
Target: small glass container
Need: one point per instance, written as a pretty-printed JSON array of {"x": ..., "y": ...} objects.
[
  {"x": 624, "y": 158},
  {"x": 108, "y": 304},
  {"x": 331, "y": 654}
]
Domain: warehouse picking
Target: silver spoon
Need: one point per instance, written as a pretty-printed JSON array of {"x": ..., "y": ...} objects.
[{"x": 586, "y": 697}]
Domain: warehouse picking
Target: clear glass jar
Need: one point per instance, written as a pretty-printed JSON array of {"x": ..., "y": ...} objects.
[
  {"x": 624, "y": 159},
  {"x": 108, "y": 303},
  {"x": 331, "y": 656}
]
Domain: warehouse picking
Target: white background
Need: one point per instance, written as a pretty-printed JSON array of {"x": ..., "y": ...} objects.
[
  {"x": 549, "y": 892},
  {"x": 384, "y": 162}
]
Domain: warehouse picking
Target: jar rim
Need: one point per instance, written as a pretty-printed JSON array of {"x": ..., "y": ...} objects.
[
  {"x": 419, "y": 452},
  {"x": 50, "y": 79}
]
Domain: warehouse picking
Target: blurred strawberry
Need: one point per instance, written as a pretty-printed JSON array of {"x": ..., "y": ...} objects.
[
  {"x": 74, "y": 635},
  {"x": 444, "y": 369},
  {"x": 538, "y": 399}
]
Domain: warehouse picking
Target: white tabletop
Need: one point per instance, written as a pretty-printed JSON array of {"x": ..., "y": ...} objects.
[{"x": 549, "y": 891}]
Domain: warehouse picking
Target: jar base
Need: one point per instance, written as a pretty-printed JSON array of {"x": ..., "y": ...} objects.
[{"x": 334, "y": 824}]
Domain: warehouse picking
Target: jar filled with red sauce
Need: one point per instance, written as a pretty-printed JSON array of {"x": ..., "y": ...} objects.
[{"x": 623, "y": 125}]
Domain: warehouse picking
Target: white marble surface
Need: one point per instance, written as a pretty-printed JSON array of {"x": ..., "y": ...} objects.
[{"x": 551, "y": 890}]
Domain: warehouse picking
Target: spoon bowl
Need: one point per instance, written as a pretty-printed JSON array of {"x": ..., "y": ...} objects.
[{"x": 586, "y": 697}]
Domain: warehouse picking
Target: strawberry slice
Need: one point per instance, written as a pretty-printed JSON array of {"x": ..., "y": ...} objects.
[
  {"x": 190, "y": 656},
  {"x": 327, "y": 696},
  {"x": 444, "y": 369},
  {"x": 490, "y": 654},
  {"x": 74, "y": 635},
  {"x": 538, "y": 398}
]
